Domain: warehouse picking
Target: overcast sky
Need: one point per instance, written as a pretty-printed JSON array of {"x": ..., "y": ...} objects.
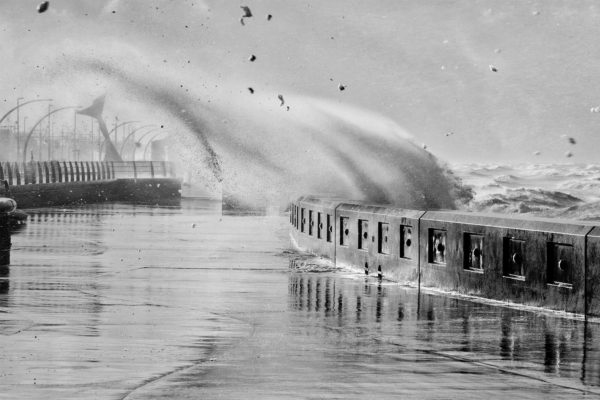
[{"x": 423, "y": 64}]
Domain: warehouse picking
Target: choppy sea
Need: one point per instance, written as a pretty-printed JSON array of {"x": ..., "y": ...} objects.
[{"x": 548, "y": 190}]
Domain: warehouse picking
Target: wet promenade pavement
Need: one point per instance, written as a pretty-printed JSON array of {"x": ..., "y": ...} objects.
[{"x": 136, "y": 302}]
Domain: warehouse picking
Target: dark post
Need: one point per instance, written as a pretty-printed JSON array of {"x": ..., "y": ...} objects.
[
  {"x": 17, "y": 174},
  {"x": 40, "y": 173},
  {"x": 47, "y": 172},
  {"x": 7, "y": 205},
  {"x": 9, "y": 174}
]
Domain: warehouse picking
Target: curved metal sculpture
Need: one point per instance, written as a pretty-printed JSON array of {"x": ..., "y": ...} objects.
[
  {"x": 143, "y": 136},
  {"x": 21, "y": 105},
  {"x": 103, "y": 144},
  {"x": 151, "y": 141},
  {"x": 95, "y": 111},
  {"x": 36, "y": 125},
  {"x": 133, "y": 133}
]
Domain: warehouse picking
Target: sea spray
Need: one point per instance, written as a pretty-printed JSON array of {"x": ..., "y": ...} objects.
[{"x": 259, "y": 152}]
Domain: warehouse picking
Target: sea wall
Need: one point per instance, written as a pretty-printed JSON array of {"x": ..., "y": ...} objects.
[
  {"x": 534, "y": 261},
  {"x": 53, "y": 183}
]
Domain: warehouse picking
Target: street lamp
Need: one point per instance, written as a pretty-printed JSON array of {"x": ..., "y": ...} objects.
[
  {"x": 19, "y": 105},
  {"x": 18, "y": 127}
]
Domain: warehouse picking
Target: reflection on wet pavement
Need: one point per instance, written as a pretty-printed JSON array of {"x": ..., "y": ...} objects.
[{"x": 122, "y": 301}]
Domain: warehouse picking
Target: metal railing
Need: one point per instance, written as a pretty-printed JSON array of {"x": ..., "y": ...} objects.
[{"x": 34, "y": 172}]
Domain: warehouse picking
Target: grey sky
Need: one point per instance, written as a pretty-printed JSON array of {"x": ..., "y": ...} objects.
[{"x": 424, "y": 65}]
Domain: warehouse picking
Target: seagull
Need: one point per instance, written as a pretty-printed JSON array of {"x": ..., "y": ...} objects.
[
  {"x": 449, "y": 133},
  {"x": 280, "y": 97},
  {"x": 572, "y": 141},
  {"x": 252, "y": 58},
  {"x": 568, "y": 154},
  {"x": 42, "y": 7},
  {"x": 536, "y": 153},
  {"x": 251, "y": 90},
  {"x": 341, "y": 87},
  {"x": 247, "y": 12},
  {"x": 269, "y": 16},
  {"x": 492, "y": 68}
]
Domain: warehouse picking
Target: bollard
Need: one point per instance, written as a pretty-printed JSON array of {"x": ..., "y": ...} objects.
[{"x": 7, "y": 206}]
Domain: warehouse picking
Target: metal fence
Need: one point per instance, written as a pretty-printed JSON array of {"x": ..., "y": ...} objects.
[{"x": 82, "y": 171}]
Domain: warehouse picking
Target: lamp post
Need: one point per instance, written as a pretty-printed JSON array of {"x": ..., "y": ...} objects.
[
  {"x": 50, "y": 138},
  {"x": 19, "y": 105},
  {"x": 74, "y": 140},
  {"x": 18, "y": 127}
]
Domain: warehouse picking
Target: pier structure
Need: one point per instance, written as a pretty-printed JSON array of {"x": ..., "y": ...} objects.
[{"x": 55, "y": 183}]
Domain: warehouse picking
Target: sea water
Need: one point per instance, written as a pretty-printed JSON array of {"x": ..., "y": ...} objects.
[{"x": 141, "y": 302}]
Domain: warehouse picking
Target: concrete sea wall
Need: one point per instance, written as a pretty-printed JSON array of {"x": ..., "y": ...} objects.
[
  {"x": 534, "y": 261},
  {"x": 54, "y": 183}
]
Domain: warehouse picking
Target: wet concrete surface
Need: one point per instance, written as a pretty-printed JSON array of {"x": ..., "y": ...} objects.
[{"x": 137, "y": 302}]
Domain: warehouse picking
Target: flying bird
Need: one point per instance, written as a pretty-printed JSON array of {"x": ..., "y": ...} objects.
[
  {"x": 252, "y": 58},
  {"x": 247, "y": 12},
  {"x": 42, "y": 7},
  {"x": 536, "y": 153},
  {"x": 251, "y": 90},
  {"x": 449, "y": 133},
  {"x": 280, "y": 97},
  {"x": 492, "y": 68},
  {"x": 269, "y": 16},
  {"x": 341, "y": 87},
  {"x": 242, "y": 21},
  {"x": 568, "y": 154},
  {"x": 572, "y": 140}
]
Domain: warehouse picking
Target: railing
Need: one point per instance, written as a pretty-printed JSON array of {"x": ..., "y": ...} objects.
[{"x": 81, "y": 171}]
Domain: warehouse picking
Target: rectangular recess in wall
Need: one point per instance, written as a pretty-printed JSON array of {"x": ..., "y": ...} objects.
[
  {"x": 344, "y": 231},
  {"x": 363, "y": 234},
  {"x": 437, "y": 246},
  {"x": 473, "y": 252},
  {"x": 383, "y": 243},
  {"x": 561, "y": 261},
  {"x": 406, "y": 242},
  {"x": 514, "y": 260},
  {"x": 319, "y": 225}
]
